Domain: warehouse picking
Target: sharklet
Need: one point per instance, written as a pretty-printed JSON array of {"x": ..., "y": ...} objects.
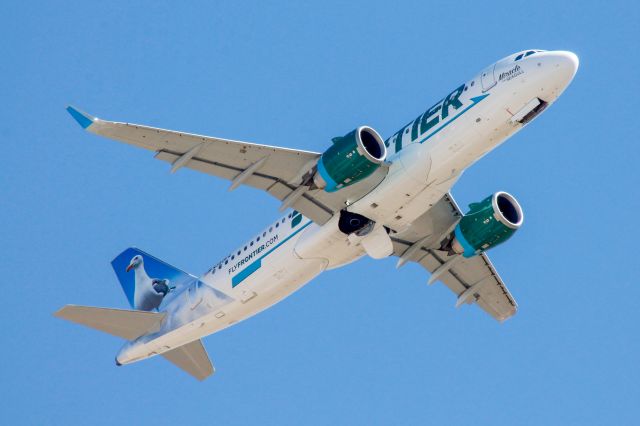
[{"x": 82, "y": 118}]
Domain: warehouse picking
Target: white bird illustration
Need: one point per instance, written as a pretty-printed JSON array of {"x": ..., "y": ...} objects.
[{"x": 148, "y": 292}]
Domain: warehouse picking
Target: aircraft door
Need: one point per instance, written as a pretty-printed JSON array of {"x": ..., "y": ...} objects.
[{"x": 488, "y": 78}]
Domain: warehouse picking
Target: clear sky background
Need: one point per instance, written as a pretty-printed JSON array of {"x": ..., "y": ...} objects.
[{"x": 366, "y": 344}]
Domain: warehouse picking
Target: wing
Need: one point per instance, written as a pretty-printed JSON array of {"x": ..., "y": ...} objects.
[
  {"x": 472, "y": 279},
  {"x": 278, "y": 171},
  {"x": 191, "y": 358}
]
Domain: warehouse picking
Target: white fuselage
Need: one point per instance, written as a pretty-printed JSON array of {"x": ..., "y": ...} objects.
[{"x": 426, "y": 158}]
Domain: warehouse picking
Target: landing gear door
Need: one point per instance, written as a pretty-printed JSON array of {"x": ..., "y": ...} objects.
[{"x": 488, "y": 78}]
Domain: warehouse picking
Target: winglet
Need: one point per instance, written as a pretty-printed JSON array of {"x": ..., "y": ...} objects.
[{"x": 85, "y": 120}]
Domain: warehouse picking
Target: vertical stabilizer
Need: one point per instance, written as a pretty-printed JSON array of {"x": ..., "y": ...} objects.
[{"x": 147, "y": 281}]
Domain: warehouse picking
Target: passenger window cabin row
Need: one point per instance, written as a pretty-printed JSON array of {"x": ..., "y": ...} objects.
[{"x": 255, "y": 240}]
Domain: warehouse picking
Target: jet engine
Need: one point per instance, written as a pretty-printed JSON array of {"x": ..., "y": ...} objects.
[
  {"x": 350, "y": 159},
  {"x": 488, "y": 223}
]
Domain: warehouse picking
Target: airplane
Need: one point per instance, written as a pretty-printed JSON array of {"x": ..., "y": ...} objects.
[{"x": 362, "y": 196}]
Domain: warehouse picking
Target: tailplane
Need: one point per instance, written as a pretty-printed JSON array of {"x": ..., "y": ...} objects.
[
  {"x": 118, "y": 322},
  {"x": 191, "y": 358}
]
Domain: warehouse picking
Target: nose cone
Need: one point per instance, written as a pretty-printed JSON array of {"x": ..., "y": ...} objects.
[
  {"x": 566, "y": 62},
  {"x": 554, "y": 72}
]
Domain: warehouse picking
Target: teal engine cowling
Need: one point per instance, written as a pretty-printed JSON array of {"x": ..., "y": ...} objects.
[
  {"x": 488, "y": 223},
  {"x": 352, "y": 158}
]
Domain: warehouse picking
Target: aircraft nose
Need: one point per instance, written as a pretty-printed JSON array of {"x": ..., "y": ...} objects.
[
  {"x": 558, "y": 69},
  {"x": 567, "y": 62}
]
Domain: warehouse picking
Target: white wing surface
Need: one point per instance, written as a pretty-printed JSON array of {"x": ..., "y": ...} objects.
[
  {"x": 278, "y": 171},
  {"x": 472, "y": 279}
]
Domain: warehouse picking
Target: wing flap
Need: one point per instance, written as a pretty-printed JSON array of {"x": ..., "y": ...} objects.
[
  {"x": 117, "y": 322},
  {"x": 191, "y": 358}
]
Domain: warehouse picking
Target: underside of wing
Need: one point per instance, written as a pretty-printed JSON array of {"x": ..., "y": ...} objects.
[
  {"x": 276, "y": 170},
  {"x": 473, "y": 279}
]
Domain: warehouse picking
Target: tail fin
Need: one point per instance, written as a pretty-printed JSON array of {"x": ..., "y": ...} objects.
[
  {"x": 191, "y": 358},
  {"x": 117, "y": 322},
  {"x": 147, "y": 281}
]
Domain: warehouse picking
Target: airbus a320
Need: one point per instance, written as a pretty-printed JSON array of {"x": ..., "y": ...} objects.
[{"x": 363, "y": 196}]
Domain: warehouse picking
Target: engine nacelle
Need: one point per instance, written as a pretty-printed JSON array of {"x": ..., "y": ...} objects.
[
  {"x": 488, "y": 223},
  {"x": 350, "y": 159}
]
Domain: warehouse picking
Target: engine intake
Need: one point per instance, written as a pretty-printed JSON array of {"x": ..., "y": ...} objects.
[
  {"x": 352, "y": 158},
  {"x": 488, "y": 223}
]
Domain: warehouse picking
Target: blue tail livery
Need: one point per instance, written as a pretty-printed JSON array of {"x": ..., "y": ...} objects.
[{"x": 147, "y": 281}]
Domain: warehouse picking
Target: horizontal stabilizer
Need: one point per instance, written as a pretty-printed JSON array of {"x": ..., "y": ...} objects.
[
  {"x": 117, "y": 322},
  {"x": 191, "y": 358}
]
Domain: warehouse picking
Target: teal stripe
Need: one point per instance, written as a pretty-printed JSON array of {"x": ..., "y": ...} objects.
[
  {"x": 245, "y": 273},
  {"x": 475, "y": 101},
  {"x": 331, "y": 184},
  {"x": 469, "y": 250},
  {"x": 254, "y": 266},
  {"x": 286, "y": 239}
]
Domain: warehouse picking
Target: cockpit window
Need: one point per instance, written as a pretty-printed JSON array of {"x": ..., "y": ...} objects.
[{"x": 525, "y": 54}]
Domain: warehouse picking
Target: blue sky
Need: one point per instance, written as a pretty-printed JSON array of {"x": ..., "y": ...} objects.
[{"x": 365, "y": 344}]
